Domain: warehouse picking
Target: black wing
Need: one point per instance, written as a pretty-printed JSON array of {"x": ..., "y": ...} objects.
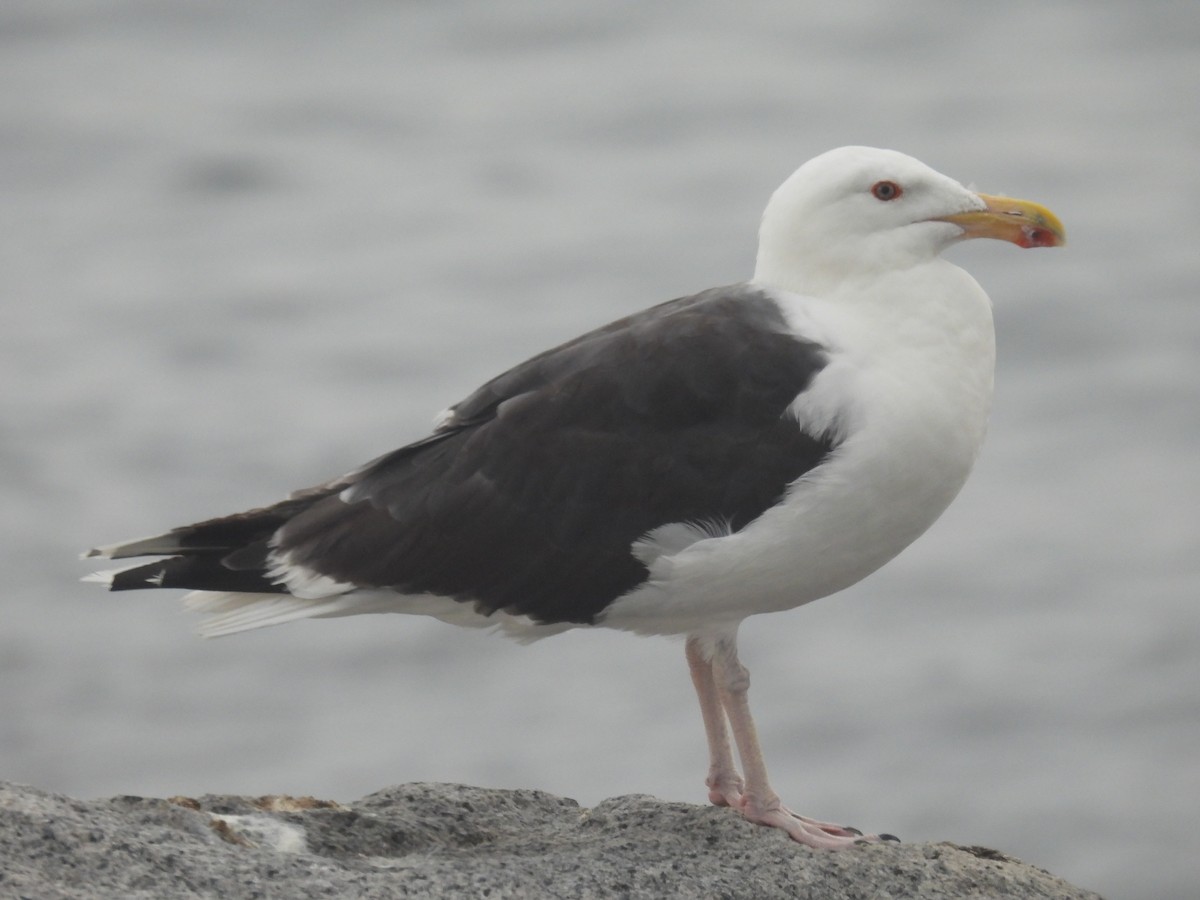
[{"x": 529, "y": 498}]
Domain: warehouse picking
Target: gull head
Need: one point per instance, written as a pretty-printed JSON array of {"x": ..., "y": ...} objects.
[{"x": 861, "y": 212}]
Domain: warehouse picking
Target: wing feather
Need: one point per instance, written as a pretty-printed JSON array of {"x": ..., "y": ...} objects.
[{"x": 531, "y": 496}]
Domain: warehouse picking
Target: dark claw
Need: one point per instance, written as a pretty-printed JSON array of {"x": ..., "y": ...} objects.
[
  {"x": 851, "y": 830},
  {"x": 889, "y": 837}
]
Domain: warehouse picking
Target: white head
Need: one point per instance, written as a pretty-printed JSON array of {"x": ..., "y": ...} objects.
[{"x": 859, "y": 212}]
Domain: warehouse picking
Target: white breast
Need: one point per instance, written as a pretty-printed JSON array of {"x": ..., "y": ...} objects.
[{"x": 908, "y": 386}]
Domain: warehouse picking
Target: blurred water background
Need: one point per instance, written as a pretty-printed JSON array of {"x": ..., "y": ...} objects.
[{"x": 245, "y": 246}]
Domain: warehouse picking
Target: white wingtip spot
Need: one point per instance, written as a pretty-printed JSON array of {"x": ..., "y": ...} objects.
[{"x": 105, "y": 577}]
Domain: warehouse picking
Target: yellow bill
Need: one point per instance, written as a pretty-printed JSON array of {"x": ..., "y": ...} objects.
[{"x": 1021, "y": 222}]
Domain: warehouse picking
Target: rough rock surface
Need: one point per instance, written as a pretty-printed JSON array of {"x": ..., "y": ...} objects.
[{"x": 445, "y": 840}]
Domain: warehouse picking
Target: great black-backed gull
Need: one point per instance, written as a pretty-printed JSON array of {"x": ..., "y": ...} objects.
[{"x": 744, "y": 450}]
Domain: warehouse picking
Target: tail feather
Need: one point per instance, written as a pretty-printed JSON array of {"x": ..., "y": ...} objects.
[
  {"x": 222, "y": 534},
  {"x": 159, "y": 545},
  {"x": 230, "y": 612},
  {"x": 195, "y": 572},
  {"x": 224, "y": 554}
]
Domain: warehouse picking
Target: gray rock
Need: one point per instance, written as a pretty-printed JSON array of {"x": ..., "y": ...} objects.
[{"x": 446, "y": 840}]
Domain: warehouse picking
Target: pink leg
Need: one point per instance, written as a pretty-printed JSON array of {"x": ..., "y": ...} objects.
[
  {"x": 722, "y": 684},
  {"x": 724, "y": 782}
]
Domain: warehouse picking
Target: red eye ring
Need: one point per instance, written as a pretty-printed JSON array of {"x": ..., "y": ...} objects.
[{"x": 886, "y": 190}]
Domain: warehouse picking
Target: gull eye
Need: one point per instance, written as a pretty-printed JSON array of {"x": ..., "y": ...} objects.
[{"x": 886, "y": 190}]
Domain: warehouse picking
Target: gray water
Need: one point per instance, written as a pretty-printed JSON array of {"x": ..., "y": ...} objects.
[{"x": 246, "y": 246}]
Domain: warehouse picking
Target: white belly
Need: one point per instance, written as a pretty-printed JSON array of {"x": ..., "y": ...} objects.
[{"x": 911, "y": 396}]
